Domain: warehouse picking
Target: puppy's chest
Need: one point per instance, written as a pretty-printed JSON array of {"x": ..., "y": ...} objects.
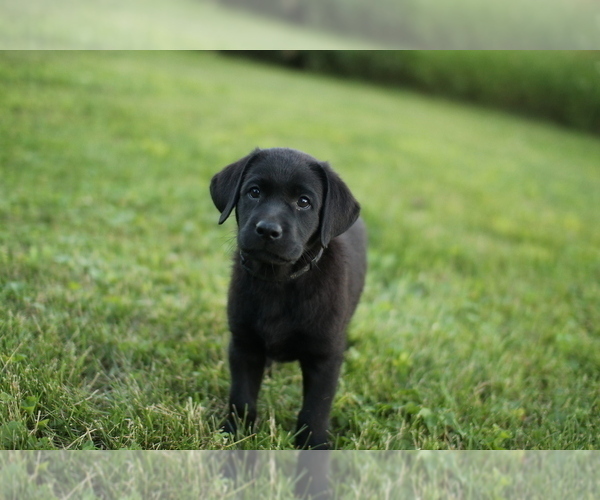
[{"x": 284, "y": 324}]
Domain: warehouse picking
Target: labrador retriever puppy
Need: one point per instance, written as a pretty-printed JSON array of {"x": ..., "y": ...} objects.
[{"x": 297, "y": 277}]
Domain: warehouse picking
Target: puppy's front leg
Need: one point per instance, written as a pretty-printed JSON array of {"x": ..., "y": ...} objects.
[
  {"x": 246, "y": 365},
  {"x": 319, "y": 381}
]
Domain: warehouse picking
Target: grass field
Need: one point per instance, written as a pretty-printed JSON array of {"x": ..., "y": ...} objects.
[
  {"x": 183, "y": 475},
  {"x": 479, "y": 325},
  {"x": 152, "y": 24}
]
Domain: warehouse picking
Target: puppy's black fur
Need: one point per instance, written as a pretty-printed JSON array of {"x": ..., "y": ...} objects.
[{"x": 297, "y": 278}]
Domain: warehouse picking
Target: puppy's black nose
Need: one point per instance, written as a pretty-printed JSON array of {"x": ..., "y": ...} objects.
[{"x": 269, "y": 230}]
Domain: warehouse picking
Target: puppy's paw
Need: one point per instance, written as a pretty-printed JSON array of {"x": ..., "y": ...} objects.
[
  {"x": 228, "y": 426},
  {"x": 306, "y": 440}
]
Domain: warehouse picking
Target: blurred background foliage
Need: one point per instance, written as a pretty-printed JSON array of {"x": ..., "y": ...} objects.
[
  {"x": 552, "y": 24},
  {"x": 561, "y": 86},
  {"x": 300, "y": 24}
]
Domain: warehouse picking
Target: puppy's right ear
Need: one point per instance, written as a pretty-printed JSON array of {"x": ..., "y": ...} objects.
[{"x": 225, "y": 186}]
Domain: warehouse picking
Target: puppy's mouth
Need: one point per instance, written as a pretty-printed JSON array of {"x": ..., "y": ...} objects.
[{"x": 266, "y": 257}]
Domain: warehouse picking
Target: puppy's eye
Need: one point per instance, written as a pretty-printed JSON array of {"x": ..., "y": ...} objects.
[
  {"x": 254, "y": 192},
  {"x": 303, "y": 202}
]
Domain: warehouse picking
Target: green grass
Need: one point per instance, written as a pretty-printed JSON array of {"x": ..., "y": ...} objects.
[
  {"x": 478, "y": 327},
  {"x": 560, "y": 86},
  {"x": 152, "y": 24},
  {"x": 353, "y": 475}
]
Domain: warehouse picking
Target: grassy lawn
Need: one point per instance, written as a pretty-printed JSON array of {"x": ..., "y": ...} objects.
[
  {"x": 479, "y": 326},
  {"x": 151, "y": 24}
]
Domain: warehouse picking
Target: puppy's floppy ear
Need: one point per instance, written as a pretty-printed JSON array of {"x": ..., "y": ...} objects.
[
  {"x": 340, "y": 209},
  {"x": 225, "y": 186}
]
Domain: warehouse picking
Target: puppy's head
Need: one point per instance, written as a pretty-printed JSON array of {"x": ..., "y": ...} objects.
[{"x": 286, "y": 203}]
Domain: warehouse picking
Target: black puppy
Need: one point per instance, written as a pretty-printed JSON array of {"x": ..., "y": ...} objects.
[{"x": 297, "y": 278}]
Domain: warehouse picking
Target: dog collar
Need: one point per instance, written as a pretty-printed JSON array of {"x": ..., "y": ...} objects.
[{"x": 293, "y": 276}]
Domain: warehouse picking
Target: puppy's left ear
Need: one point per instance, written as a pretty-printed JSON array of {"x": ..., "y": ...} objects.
[
  {"x": 340, "y": 209},
  {"x": 225, "y": 186}
]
